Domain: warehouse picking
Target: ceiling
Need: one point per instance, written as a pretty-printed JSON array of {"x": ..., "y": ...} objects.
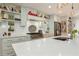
[{"x": 64, "y": 9}]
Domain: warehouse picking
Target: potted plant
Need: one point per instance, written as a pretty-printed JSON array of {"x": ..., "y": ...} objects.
[{"x": 73, "y": 33}]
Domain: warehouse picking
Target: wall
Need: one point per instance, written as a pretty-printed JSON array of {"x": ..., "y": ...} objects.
[
  {"x": 75, "y": 21},
  {"x": 50, "y": 26},
  {"x": 3, "y": 28}
]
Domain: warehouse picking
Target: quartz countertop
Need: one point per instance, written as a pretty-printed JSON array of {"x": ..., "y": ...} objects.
[
  {"x": 47, "y": 47},
  {"x": 14, "y": 36}
]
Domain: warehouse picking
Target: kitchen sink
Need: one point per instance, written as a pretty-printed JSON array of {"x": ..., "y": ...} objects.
[{"x": 62, "y": 38}]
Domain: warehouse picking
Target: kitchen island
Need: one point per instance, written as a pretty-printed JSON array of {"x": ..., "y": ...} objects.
[
  {"x": 47, "y": 47},
  {"x": 6, "y": 48}
]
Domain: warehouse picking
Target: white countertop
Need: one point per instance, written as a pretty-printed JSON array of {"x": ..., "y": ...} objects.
[
  {"x": 13, "y": 36},
  {"x": 47, "y": 47}
]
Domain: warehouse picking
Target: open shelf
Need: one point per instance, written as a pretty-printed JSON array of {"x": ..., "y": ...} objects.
[
  {"x": 35, "y": 18},
  {"x": 2, "y": 20},
  {"x": 10, "y": 12}
]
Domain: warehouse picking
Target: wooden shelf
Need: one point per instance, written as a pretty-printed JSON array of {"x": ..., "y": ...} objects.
[
  {"x": 5, "y": 20},
  {"x": 1, "y": 20},
  {"x": 35, "y": 18},
  {"x": 10, "y": 12}
]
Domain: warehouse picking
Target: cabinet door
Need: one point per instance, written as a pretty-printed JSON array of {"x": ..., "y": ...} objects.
[
  {"x": 9, "y": 53},
  {"x": 0, "y": 47},
  {"x": 23, "y": 16},
  {"x": 25, "y": 38},
  {"x": 7, "y": 49},
  {"x": 51, "y": 25},
  {"x": 5, "y": 44},
  {"x": 17, "y": 39},
  {"x": 20, "y": 39}
]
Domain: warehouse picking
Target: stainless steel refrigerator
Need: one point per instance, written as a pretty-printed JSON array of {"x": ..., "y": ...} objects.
[{"x": 57, "y": 28}]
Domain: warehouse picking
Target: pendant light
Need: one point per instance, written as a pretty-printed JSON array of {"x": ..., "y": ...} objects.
[
  {"x": 72, "y": 8},
  {"x": 49, "y": 6}
]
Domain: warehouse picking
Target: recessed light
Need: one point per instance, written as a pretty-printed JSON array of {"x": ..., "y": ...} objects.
[
  {"x": 49, "y": 6},
  {"x": 60, "y": 11}
]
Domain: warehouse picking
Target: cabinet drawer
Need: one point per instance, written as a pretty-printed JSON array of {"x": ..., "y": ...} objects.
[
  {"x": 15, "y": 40},
  {"x": 6, "y": 41},
  {"x": 6, "y": 45},
  {"x": 7, "y": 48},
  {"x": 9, "y": 53}
]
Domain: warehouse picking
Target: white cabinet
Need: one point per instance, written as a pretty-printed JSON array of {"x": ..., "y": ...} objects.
[
  {"x": 0, "y": 47},
  {"x": 23, "y": 16},
  {"x": 7, "y": 49},
  {"x": 51, "y": 25}
]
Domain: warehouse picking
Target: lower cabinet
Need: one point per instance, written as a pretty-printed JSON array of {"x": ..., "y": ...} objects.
[
  {"x": 0, "y": 47},
  {"x": 7, "y": 49}
]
